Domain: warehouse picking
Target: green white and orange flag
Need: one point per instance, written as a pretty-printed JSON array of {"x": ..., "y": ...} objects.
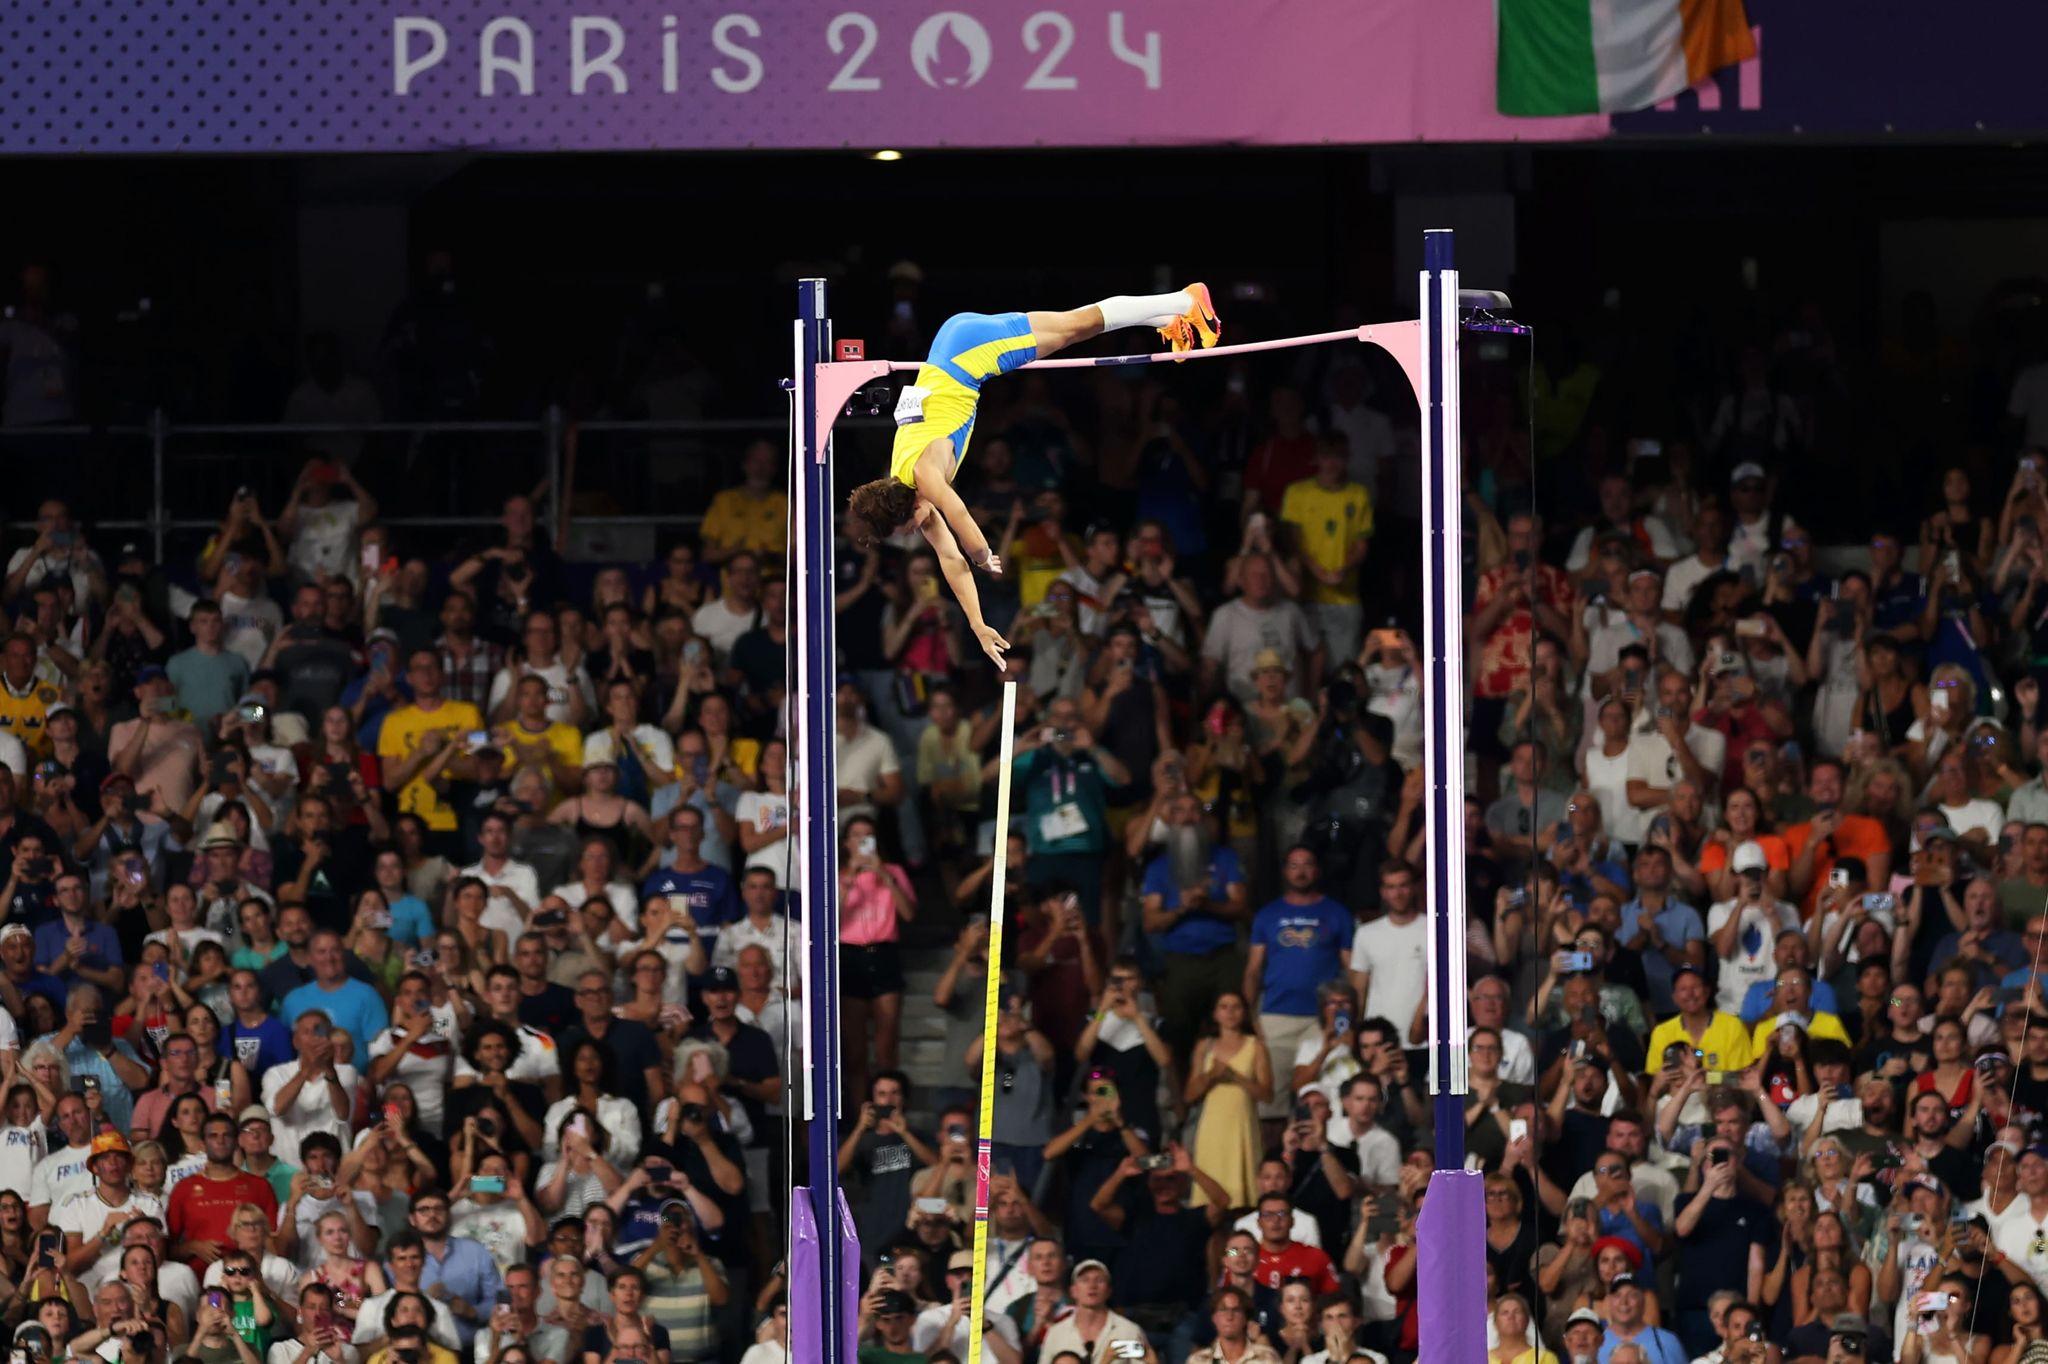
[{"x": 1612, "y": 56}]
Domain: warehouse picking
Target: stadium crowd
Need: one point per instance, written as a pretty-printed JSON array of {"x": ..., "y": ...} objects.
[{"x": 396, "y": 957}]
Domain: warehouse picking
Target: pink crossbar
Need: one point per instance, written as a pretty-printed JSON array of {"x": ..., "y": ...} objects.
[{"x": 839, "y": 380}]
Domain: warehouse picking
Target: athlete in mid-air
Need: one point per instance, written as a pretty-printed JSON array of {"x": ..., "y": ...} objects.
[{"x": 935, "y": 417}]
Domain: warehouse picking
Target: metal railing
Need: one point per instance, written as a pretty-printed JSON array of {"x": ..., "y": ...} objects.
[{"x": 193, "y": 465}]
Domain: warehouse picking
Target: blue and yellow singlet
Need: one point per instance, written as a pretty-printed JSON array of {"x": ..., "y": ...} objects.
[{"x": 970, "y": 349}]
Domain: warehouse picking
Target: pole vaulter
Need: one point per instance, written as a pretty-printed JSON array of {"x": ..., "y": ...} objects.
[{"x": 824, "y": 1260}]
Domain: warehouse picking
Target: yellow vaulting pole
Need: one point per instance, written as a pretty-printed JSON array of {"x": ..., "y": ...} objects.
[{"x": 991, "y": 1008}]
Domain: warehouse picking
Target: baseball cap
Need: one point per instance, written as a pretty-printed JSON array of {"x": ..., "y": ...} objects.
[
  {"x": 1623, "y": 1280},
  {"x": 1269, "y": 658},
  {"x": 1848, "y": 1324},
  {"x": 1686, "y": 968},
  {"x": 1748, "y": 469},
  {"x": 253, "y": 1113},
  {"x": 1587, "y": 1315},
  {"x": 720, "y": 978},
  {"x": 1749, "y": 856},
  {"x": 961, "y": 1259},
  {"x": 15, "y": 931},
  {"x": 1086, "y": 1265},
  {"x": 149, "y": 672},
  {"x": 895, "y": 1302},
  {"x": 1790, "y": 1020},
  {"x": 107, "y": 1143},
  {"x": 113, "y": 779}
]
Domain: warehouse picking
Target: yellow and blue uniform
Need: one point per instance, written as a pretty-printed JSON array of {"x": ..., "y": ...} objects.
[{"x": 970, "y": 349}]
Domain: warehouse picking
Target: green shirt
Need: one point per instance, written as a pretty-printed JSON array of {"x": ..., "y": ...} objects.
[{"x": 1066, "y": 809}]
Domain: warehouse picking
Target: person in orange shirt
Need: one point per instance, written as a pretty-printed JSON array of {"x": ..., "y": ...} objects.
[
  {"x": 1742, "y": 822},
  {"x": 1830, "y": 835}
]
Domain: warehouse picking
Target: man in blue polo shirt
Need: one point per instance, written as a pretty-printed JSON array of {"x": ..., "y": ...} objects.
[
  {"x": 1298, "y": 941},
  {"x": 353, "y": 1007},
  {"x": 1193, "y": 897}
]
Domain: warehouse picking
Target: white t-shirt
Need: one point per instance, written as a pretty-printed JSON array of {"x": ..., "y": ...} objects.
[
  {"x": 1379, "y": 1155},
  {"x": 734, "y": 938},
  {"x": 306, "y": 1215},
  {"x": 559, "y": 678},
  {"x": 499, "y": 1229},
  {"x": 370, "y": 1321},
  {"x": 765, "y": 810},
  {"x": 1972, "y": 815},
  {"x": 312, "y": 1109},
  {"x": 59, "y": 1175},
  {"x": 1756, "y": 944},
  {"x": 13, "y": 755},
  {"x": 290, "y": 1351},
  {"x": 625, "y": 903},
  {"x": 601, "y": 746},
  {"x": 924, "y": 1332},
  {"x": 1617, "y": 632},
  {"x": 279, "y": 1275},
  {"x": 85, "y": 1215},
  {"x": 1650, "y": 759},
  {"x": 325, "y": 543},
  {"x": 1305, "y": 1228},
  {"x": 537, "y": 1062},
  {"x": 1238, "y": 631},
  {"x": 864, "y": 760},
  {"x": 1607, "y": 779},
  {"x": 721, "y": 626},
  {"x": 516, "y": 877},
  {"x": 1393, "y": 956},
  {"x": 251, "y": 624},
  {"x": 427, "y": 1068},
  {"x": 21, "y": 1150},
  {"x": 1682, "y": 577}
]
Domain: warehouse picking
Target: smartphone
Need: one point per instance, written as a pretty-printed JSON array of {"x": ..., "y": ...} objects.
[
  {"x": 1578, "y": 961},
  {"x": 1303, "y": 1113},
  {"x": 1718, "y": 1156},
  {"x": 487, "y": 1184},
  {"x": 1838, "y": 878},
  {"x": 1518, "y": 1128},
  {"x": 1341, "y": 1024},
  {"x": 217, "y": 1299},
  {"x": 1751, "y": 628},
  {"x": 885, "y": 1110},
  {"x": 1151, "y": 1163},
  {"x": 368, "y": 560},
  {"x": 1880, "y": 902},
  {"x": 1717, "y": 1077},
  {"x": 1938, "y": 701},
  {"x": 931, "y": 1207},
  {"x": 476, "y": 738}
]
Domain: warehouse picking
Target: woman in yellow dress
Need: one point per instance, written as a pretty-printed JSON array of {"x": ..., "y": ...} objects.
[{"x": 1230, "y": 1077}]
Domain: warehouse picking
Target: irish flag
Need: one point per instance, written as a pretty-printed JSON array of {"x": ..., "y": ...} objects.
[{"x": 1611, "y": 56}]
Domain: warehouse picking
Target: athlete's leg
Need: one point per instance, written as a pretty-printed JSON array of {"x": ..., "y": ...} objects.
[{"x": 1056, "y": 331}]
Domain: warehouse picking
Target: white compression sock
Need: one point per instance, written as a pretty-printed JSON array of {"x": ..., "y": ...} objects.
[{"x": 1144, "y": 310}]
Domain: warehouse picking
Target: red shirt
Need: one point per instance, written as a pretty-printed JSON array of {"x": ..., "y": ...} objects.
[
  {"x": 202, "y": 1208},
  {"x": 1276, "y": 1267},
  {"x": 1277, "y": 462}
]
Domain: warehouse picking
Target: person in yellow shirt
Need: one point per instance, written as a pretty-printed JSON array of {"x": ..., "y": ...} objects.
[
  {"x": 531, "y": 739},
  {"x": 1792, "y": 1007},
  {"x": 25, "y": 700},
  {"x": 1719, "y": 1038},
  {"x": 424, "y": 744},
  {"x": 753, "y": 516},
  {"x": 1332, "y": 521}
]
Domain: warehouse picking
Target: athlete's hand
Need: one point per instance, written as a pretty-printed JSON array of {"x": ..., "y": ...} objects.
[
  {"x": 992, "y": 564},
  {"x": 992, "y": 644}
]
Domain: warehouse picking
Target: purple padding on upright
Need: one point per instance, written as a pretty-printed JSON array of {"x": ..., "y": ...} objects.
[
  {"x": 806, "y": 1301},
  {"x": 849, "y": 1274},
  {"x": 1451, "y": 1275}
]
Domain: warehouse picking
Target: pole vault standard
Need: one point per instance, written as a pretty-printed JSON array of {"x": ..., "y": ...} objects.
[{"x": 824, "y": 1253}]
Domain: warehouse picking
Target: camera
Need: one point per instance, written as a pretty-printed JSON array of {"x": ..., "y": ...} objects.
[
  {"x": 695, "y": 1113},
  {"x": 1151, "y": 1163}
]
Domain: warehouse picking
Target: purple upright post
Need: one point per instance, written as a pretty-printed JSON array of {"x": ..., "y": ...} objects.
[
  {"x": 806, "y": 1311},
  {"x": 1450, "y": 1278},
  {"x": 814, "y": 817}
]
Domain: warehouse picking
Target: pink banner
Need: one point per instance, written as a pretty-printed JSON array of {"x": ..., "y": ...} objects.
[{"x": 391, "y": 75}]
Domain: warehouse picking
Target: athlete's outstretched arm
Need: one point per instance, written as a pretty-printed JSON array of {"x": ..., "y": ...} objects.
[
  {"x": 934, "y": 487},
  {"x": 960, "y": 577}
]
